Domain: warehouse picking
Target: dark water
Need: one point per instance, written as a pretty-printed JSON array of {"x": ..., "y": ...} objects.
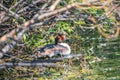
[
  {"x": 109, "y": 66},
  {"x": 108, "y": 51}
]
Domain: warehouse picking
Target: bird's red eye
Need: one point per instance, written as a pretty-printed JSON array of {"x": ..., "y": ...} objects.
[{"x": 62, "y": 38}]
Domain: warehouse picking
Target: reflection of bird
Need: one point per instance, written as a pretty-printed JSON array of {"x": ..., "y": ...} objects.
[{"x": 54, "y": 49}]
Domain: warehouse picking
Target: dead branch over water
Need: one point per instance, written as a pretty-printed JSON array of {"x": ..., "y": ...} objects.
[{"x": 51, "y": 62}]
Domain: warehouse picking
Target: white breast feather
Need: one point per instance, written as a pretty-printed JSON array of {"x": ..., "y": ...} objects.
[{"x": 68, "y": 47}]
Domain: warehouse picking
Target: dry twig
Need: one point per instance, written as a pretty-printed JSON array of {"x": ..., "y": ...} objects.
[{"x": 54, "y": 5}]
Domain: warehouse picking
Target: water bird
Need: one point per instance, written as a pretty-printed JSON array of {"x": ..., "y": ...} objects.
[{"x": 58, "y": 48}]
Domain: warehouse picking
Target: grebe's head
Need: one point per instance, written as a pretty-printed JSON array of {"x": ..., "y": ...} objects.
[{"x": 60, "y": 38}]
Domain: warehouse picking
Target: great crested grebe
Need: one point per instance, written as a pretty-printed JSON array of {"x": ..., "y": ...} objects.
[{"x": 58, "y": 48}]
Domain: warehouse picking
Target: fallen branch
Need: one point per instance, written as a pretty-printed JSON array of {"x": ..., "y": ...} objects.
[
  {"x": 60, "y": 58},
  {"x": 25, "y": 64},
  {"x": 40, "y": 62}
]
